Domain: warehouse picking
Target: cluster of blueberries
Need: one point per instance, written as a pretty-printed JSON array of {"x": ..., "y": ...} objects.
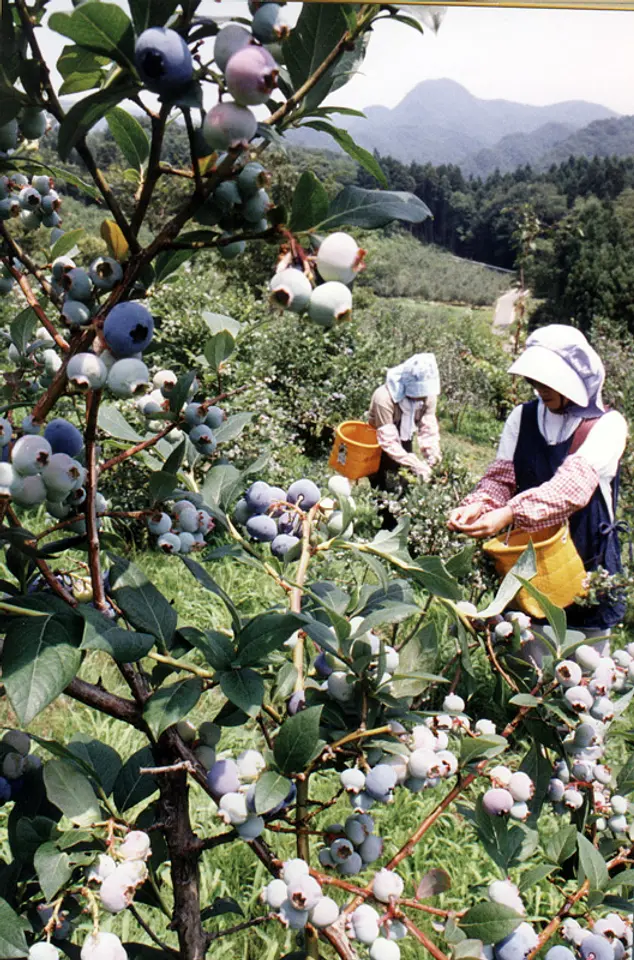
[
  {"x": 589, "y": 684},
  {"x": 34, "y": 204},
  {"x": 16, "y": 760},
  {"x": 45, "y": 467},
  {"x": 297, "y": 897},
  {"x": 119, "y": 873},
  {"x": 351, "y": 845},
  {"x": 337, "y": 262},
  {"x": 272, "y": 515},
  {"x": 182, "y": 530}
]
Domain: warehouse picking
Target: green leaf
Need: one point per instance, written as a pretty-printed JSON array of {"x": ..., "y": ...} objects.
[
  {"x": 265, "y": 633},
  {"x": 100, "y": 27},
  {"x": 131, "y": 787},
  {"x": 112, "y": 422},
  {"x": 475, "y": 748},
  {"x": 526, "y": 567},
  {"x": 143, "y": 605},
  {"x": 168, "y": 262},
  {"x": 592, "y": 865},
  {"x": 71, "y": 791},
  {"x": 310, "y": 203},
  {"x": 21, "y": 329},
  {"x": 66, "y": 243},
  {"x": 363, "y": 157},
  {"x": 233, "y": 426},
  {"x": 129, "y": 136},
  {"x": 216, "y": 647},
  {"x": 524, "y": 700},
  {"x": 171, "y": 703},
  {"x": 161, "y": 484},
  {"x": 221, "y": 484},
  {"x": 317, "y": 32},
  {"x": 103, "y": 759},
  {"x": 151, "y": 13},
  {"x": 489, "y": 922},
  {"x": 210, "y": 584},
  {"x": 180, "y": 391},
  {"x": 78, "y": 60},
  {"x": 218, "y": 321},
  {"x": 358, "y": 207},
  {"x": 38, "y": 663},
  {"x": 623, "y": 879},
  {"x": 218, "y": 348},
  {"x": 83, "y": 115},
  {"x": 53, "y": 869},
  {"x": 221, "y": 906},
  {"x": 562, "y": 844},
  {"x": 554, "y": 614},
  {"x": 124, "y": 646},
  {"x": 535, "y": 875},
  {"x": 419, "y": 653},
  {"x": 297, "y": 740},
  {"x": 270, "y": 790},
  {"x": 12, "y": 940},
  {"x": 625, "y": 779},
  {"x": 245, "y": 689}
]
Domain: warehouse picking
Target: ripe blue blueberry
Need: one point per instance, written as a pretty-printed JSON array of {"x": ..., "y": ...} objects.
[
  {"x": 262, "y": 528},
  {"x": 29, "y": 198},
  {"x": 283, "y": 544},
  {"x": 128, "y": 329},
  {"x": 163, "y": 60},
  {"x": 259, "y": 497},
  {"x": 61, "y": 475},
  {"x": 10, "y": 208},
  {"x": 354, "y": 864},
  {"x": 27, "y": 491},
  {"x": 77, "y": 284},
  {"x": 322, "y": 666},
  {"x": 304, "y": 493},
  {"x": 6, "y": 432},
  {"x": 371, "y": 849},
  {"x": 380, "y": 781},
  {"x": 5, "y": 790},
  {"x": 518, "y": 944},
  {"x": 76, "y": 313},
  {"x": 269, "y": 23},
  {"x": 169, "y": 543},
  {"x": 214, "y": 417},
  {"x": 63, "y": 437},
  {"x": 203, "y": 439},
  {"x": 61, "y": 265}
]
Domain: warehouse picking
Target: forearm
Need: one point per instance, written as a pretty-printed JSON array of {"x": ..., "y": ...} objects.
[
  {"x": 496, "y": 487},
  {"x": 429, "y": 438},
  {"x": 390, "y": 443},
  {"x": 553, "y": 502}
]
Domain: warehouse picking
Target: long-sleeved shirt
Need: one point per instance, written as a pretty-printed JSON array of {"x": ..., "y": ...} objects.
[
  {"x": 594, "y": 464},
  {"x": 385, "y": 416}
]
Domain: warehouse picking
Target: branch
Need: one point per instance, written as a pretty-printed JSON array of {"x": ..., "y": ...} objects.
[
  {"x": 148, "y": 929},
  {"x": 297, "y": 592},
  {"x": 24, "y": 258},
  {"x": 92, "y": 525},
  {"x": 106, "y": 702},
  {"x": 239, "y": 926},
  {"x": 153, "y": 170},
  {"x": 429, "y": 945},
  {"x": 192, "y": 148},
  {"x": 35, "y": 305}
]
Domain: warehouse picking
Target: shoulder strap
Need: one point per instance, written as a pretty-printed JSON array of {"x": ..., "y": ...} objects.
[{"x": 581, "y": 433}]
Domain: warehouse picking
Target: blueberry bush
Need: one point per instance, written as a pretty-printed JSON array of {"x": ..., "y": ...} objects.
[{"x": 361, "y": 675}]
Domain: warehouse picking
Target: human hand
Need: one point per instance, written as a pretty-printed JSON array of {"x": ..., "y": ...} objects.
[
  {"x": 464, "y": 516},
  {"x": 489, "y": 524}
]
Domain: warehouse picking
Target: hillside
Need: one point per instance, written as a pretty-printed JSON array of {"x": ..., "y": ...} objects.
[
  {"x": 439, "y": 121},
  {"x": 517, "y": 149},
  {"x": 603, "y": 138}
]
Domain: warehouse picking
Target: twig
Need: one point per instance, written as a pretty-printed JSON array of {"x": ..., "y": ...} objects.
[
  {"x": 148, "y": 929},
  {"x": 153, "y": 170},
  {"x": 418, "y": 934},
  {"x": 497, "y": 666},
  {"x": 297, "y": 591},
  {"x": 170, "y": 768},
  {"x": 192, "y": 147},
  {"x": 35, "y": 305},
  {"x": 33, "y": 269},
  {"x": 255, "y": 922},
  {"x": 106, "y": 702}
]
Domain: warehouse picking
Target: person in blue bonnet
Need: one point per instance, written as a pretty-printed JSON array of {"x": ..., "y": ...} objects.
[{"x": 558, "y": 459}]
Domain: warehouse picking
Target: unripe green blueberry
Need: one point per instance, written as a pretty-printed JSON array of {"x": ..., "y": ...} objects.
[
  {"x": 32, "y": 123},
  {"x": 9, "y": 136},
  {"x": 227, "y": 196},
  {"x": 251, "y": 179},
  {"x": 30, "y": 220},
  {"x": 329, "y": 303},
  {"x": 256, "y": 207},
  {"x": 86, "y": 371},
  {"x": 105, "y": 273}
]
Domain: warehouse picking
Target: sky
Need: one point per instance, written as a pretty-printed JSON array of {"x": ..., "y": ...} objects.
[{"x": 530, "y": 56}]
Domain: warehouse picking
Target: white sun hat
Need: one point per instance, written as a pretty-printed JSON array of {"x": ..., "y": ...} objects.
[{"x": 560, "y": 357}]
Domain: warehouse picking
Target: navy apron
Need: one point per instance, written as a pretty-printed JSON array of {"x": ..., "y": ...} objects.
[{"x": 593, "y": 532}]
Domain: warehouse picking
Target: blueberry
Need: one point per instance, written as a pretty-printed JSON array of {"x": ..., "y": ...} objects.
[
  {"x": 269, "y": 23},
  {"x": 517, "y": 945},
  {"x": 322, "y": 666},
  {"x": 231, "y": 38},
  {"x": 227, "y": 196},
  {"x": 596, "y": 947},
  {"x": 223, "y": 777},
  {"x": 251, "y": 75},
  {"x": 63, "y": 437},
  {"x": 9, "y": 208},
  {"x": 330, "y": 302},
  {"x": 62, "y": 475},
  {"x": 105, "y": 273},
  {"x": 339, "y": 258},
  {"x": 371, "y": 849},
  {"x": 252, "y": 178},
  {"x": 283, "y": 544},
  {"x": 30, "y": 454},
  {"x": 560, "y": 953},
  {"x": 9, "y": 135},
  {"x": 28, "y": 491},
  {"x": 33, "y": 123},
  {"x": 128, "y": 378},
  {"x": 86, "y": 371},
  {"x": 163, "y": 60},
  {"x": 76, "y": 313},
  {"x": 380, "y": 781},
  {"x": 203, "y": 439},
  {"x": 262, "y": 528},
  {"x": 304, "y": 493},
  {"x": 169, "y": 543},
  {"x": 6, "y": 432},
  {"x": 159, "y": 523},
  {"x": 229, "y": 125},
  {"x": 77, "y": 284},
  {"x": 259, "y": 497},
  {"x": 354, "y": 864},
  {"x": 214, "y": 417},
  {"x": 291, "y": 289},
  {"x": 128, "y": 329},
  {"x": 256, "y": 207},
  {"x": 497, "y": 802},
  {"x": 29, "y": 198}
]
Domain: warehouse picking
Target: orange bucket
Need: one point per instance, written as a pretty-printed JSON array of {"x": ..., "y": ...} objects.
[{"x": 355, "y": 452}]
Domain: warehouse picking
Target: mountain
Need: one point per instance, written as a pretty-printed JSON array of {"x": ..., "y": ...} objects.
[
  {"x": 517, "y": 149},
  {"x": 439, "y": 121},
  {"x": 603, "y": 138}
]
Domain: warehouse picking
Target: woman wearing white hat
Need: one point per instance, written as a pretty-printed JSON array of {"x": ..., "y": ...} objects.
[
  {"x": 406, "y": 405},
  {"x": 558, "y": 459}
]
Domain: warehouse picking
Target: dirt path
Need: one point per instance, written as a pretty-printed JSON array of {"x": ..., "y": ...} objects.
[{"x": 505, "y": 311}]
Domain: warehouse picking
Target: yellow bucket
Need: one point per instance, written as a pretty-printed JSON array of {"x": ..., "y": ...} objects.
[
  {"x": 355, "y": 452},
  {"x": 560, "y": 570}
]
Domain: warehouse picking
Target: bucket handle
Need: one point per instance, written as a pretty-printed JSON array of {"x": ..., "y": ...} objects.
[{"x": 564, "y": 536}]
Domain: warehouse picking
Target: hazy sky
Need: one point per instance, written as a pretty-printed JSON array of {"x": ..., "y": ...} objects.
[{"x": 532, "y": 56}]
